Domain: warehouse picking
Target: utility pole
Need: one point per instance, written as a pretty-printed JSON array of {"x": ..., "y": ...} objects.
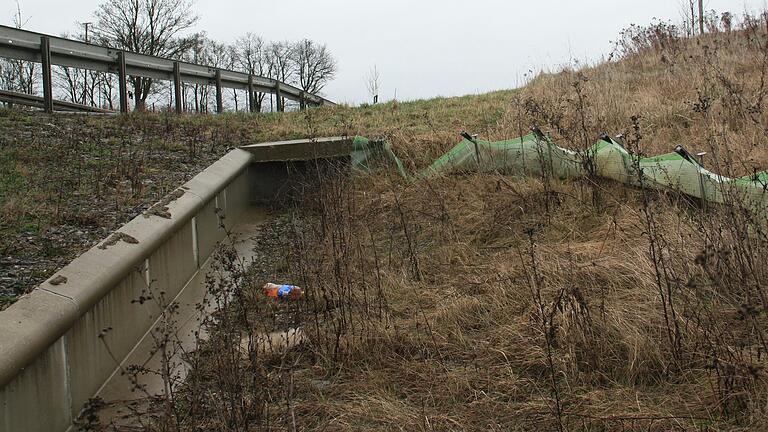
[
  {"x": 85, "y": 71},
  {"x": 701, "y": 17}
]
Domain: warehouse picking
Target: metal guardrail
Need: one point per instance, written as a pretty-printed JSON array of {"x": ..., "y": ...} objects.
[
  {"x": 39, "y": 102},
  {"x": 51, "y": 50}
]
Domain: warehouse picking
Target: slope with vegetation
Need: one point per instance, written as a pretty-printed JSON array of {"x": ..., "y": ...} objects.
[
  {"x": 68, "y": 180},
  {"x": 488, "y": 302},
  {"x": 481, "y": 301}
]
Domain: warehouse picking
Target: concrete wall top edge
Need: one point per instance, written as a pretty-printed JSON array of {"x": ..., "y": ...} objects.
[
  {"x": 29, "y": 326},
  {"x": 297, "y": 141},
  {"x": 215, "y": 178},
  {"x": 93, "y": 274},
  {"x": 300, "y": 150}
]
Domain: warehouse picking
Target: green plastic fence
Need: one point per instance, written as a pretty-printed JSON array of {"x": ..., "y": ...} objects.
[
  {"x": 536, "y": 155},
  {"x": 365, "y": 153}
]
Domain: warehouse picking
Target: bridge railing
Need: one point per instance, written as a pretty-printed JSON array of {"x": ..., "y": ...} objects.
[{"x": 51, "y": 50}]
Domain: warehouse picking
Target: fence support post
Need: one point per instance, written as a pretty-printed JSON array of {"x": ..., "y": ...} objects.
[
  {"x": 177, "y": 87},
  {"x": 279, "y": 97},
  {"x": 45, "y": 52},
  {"x": 219, "y": 95},
  {"x": 123, "y": 82},
  {"x": 251, "y": 98}
]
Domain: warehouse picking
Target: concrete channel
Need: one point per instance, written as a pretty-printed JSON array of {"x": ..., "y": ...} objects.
[{"x": 69, "y": 339}]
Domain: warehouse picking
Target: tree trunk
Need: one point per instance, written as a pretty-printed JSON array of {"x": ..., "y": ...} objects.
[
  {"x": 141, "y": 89},
  {"x": 197, "y": 100},
  {"x": 259, "y": 101},
  {"x": 693, "y": 18},
  {"x": 138, "y": 87}
]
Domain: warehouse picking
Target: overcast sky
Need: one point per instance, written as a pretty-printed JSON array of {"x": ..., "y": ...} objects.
[{"x": 422, "y": 48}]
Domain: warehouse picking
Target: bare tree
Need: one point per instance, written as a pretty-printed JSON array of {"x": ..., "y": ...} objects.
[
  {"x": 250, "y": 55},
  {"x": 231, "y": 57},
  {"x": 314, "y": 65},
  {"x": 106, "y": 90},
  {"x": 18, "y": 75},
  {"x": 71, "y": 80},
  {"x": 217, "y": 55},
  {"x": 688, "y": 15},
  {"x": 150, "y": 27},
  {"x": 195, "y": 54},
  {"x": 207, "y": 52},
  {"x": 281, "y": 65},
  {"x": 372, "y": 83},
  {"x": 80, "y": 85}
]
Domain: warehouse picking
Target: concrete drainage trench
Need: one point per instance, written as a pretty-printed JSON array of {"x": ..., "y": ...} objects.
[
  {"x": 72, "y": 338},
  {"x": 119, "y": 391}
]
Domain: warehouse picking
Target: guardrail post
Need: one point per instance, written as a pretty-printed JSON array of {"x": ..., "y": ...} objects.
[
  {"x": 279, "y": 98},
  {"x": 177, "y": 86},
  {"x": 122, "y": 82},
  {"x": 45, "y": 51},
  {"x": 251, "y": 98},
  {"x": 219, "y": 95}
]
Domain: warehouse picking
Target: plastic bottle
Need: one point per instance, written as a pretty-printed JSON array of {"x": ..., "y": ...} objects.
[{"x": 283, "y": 292}]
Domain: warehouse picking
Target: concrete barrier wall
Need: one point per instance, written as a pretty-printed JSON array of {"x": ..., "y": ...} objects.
[{"x": 61, "y": 344}]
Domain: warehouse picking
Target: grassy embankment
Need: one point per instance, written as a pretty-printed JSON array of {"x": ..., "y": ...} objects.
[
  {"x": 486, "y": 302},
  {"x": 67, "y": 181}
]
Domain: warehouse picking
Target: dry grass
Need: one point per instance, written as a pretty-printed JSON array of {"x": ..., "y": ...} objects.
[
  {"x": 504, "y": 312},
  {"x": 486, "y": 303},
  {"x": 462, "y": 347},
  {"x": 707, "y": 94},
  {"x": 482, "y": 303}
]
